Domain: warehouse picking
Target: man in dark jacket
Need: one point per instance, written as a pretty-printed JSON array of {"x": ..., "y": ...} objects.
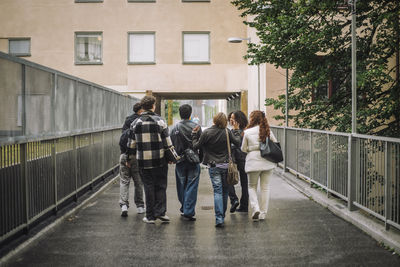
[
  {"x": 187, "y": 173},
  {"x": 128, "y": 168},
  {"x": 137, "y": 109}
]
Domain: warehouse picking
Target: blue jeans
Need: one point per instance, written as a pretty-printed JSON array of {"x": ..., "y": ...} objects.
[
  {"x": 218, "y": 180},
  {"x": 187, "y": 183}
]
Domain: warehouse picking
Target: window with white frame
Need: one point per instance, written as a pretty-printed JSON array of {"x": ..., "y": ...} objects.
[
  {"x": 141, "y": 48},
  {"x": 196, "y": 47},
  {"x": 19, "y": 47},
  {"x": 88, "y": 47}
]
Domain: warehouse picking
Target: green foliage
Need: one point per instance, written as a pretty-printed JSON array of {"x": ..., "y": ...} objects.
[
  {"x": 313, "y": 39},
  {"x": 175, "y": 108}
]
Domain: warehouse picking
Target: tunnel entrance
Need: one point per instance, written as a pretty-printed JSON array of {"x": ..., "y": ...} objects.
[{"x": 205, "y": 104}]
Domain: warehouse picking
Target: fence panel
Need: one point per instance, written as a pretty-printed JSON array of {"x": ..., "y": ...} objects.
[
  {"x": 291, "y": 150},
  {"x": 394, "y": 172},
  {"x": 371, "y": 182},
  {"x": 12, "y": 190},
  {"x": 40, "y": 177},
  {"x": 319, "y": 157},
  {"x": 65, "y": 167},
  {"x": 338, "y": 147},
  {"x": 11, "y": 99},
  {"x": 84, "y": 165},
  {"x": 38, "y": 101},
  {"x": 303, "y": 153},
  {"x": 64, "y": 105}
]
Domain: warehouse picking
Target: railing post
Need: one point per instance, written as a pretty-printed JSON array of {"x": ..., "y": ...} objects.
[
  {"x": 353, "y": 147},
  {"x": 388, "y": 183},
  {"x": 328, "y": 165},
  {"x": 285, "y": 149},
  {"x": 24, "y": 173},
  {"x": 54, "y": 162},
  {"x": 75, "y": 145},
  {"x": 311, "y": 160},
  {"x": 297, "y": 154}
]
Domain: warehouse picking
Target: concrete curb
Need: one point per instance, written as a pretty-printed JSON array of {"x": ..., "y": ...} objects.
[
  {"x": 375, "y": 229},
  {"x": 5, "y": 258}
]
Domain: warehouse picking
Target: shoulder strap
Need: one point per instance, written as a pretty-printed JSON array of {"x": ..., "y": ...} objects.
[
  {"x": 228, "y": 143},
  {"x": 182, "y": 135}
]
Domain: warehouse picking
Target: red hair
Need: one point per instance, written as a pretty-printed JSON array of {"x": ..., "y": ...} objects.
[{"x": 257, "y": 117}]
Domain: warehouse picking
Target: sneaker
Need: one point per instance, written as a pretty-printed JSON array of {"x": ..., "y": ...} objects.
[
  {"x": 262, "y": 216},
  {"x": 256, "y": 215},
  {"x": 163, "y": 218},
  {"x": 219, "y": 225},
  {"x": 148, "y": 220},
  {"x": 188, "y": 217},
  {"x": 124, "y": 210},
  {"x": 141, "y": 210},
  {"x": 234, "y": 206}
]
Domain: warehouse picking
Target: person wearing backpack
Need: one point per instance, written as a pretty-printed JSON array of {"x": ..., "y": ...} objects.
[
  {"x": 128, "y": 167},
  {"x": 187, "y": 170}
]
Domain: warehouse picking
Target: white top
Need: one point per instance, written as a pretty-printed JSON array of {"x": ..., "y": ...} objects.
[{"x": 251, "y": 145}]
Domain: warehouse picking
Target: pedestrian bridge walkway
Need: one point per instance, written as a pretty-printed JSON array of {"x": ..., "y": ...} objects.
[{"x": 297, "y": 232}]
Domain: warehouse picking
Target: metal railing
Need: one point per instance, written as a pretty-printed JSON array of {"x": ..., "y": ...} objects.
[
  {"x": 59, "y": 135},
  {"x": 362, "y": 170}
]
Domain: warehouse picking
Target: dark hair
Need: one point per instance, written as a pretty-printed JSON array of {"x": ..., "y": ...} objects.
[
  {"x": 230, "y": 115},
  {"x": 220, "y": 120},
  {"x": 257, "y": 117},
  {"x": 147, "y": 102},
  {"x": 137, "y": 107},
  {"x": 185, "y": 111},
  {"x": 241, "y": 118}
]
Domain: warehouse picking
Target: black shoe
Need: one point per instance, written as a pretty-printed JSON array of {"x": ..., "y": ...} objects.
[
  {"x": 241, "y": 209},
  {"x": 188, "y": 217},
  {"x": 234, "y": 206},
  {"x": 219, "y": 225}
]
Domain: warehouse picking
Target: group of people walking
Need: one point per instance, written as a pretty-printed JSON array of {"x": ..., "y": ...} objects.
[{"x": 146, "y": 137}]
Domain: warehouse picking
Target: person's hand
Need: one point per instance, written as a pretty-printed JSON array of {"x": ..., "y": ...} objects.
[
  {"x": 196, "y": 129},
  {"x": 127, "y": 164}
]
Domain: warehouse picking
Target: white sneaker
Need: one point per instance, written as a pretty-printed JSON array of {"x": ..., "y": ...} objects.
[
  {"x": 262, "y": 216},
  {"x": 148, "y": 221},
  {"x": 141, "y": 210},
  {"x": 124, "y": 210},
  {"x": 256, "y": 215}
]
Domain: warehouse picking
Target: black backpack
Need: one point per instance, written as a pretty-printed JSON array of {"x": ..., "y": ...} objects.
[{"x": 123, "y": 142}]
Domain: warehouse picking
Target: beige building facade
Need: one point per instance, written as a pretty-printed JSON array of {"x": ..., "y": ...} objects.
[{"x": 163, "y": 46}]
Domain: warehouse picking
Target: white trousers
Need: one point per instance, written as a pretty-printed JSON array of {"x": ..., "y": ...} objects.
[{"x": 263, "y": 177}]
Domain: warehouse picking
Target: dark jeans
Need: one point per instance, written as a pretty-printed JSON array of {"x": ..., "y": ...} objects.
[
  {"x": 187, "y": 183},
  {"x": 244, "y": 183},
  {"x": 155, "y": 187}
]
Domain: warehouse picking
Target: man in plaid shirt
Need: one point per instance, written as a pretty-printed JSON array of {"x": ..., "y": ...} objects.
[{"x": 151, "y": 138}]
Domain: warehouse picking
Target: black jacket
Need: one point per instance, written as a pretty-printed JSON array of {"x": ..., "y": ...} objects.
[
  {"x": 213, "y": 143},
  {"x": 238, "y": 154},
  {"x": 129, "y": 120},
  {"x": 181, "y": 136}
]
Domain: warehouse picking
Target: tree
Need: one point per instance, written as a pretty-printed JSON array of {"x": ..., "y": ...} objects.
[{"x": 312, "y": 38}]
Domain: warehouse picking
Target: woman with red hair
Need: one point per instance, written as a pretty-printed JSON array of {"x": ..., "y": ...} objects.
[{"x": 256, "y": 167}]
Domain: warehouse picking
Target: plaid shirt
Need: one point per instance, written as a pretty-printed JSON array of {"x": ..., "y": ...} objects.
[{"x": 151, "y": 138}]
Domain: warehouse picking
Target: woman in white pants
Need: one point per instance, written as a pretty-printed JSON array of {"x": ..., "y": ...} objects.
[{"x": 257, "y": 168}]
